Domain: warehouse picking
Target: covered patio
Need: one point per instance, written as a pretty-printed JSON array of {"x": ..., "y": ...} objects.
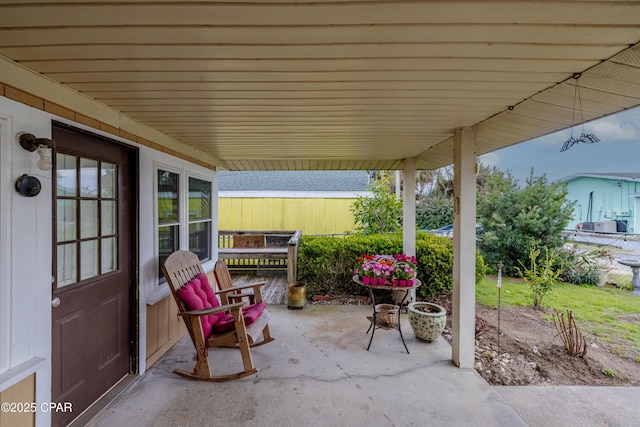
[
  {"x": 318, "y": 373},
  {"x": 174, "y": 91}
]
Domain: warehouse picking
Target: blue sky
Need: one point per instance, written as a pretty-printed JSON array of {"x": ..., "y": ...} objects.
[{"x": 618, "y": 151}]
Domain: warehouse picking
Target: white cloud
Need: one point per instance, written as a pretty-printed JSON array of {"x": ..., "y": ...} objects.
[
  {"x": 612, "y": 130},
  {"x": 490, "y": 160}
]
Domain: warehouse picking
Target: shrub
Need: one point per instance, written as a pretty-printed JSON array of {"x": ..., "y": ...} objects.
[
  {"x": 582, "y": 267},
  {"x": 540, "y": 274},
  {"x": 515, "y": 219},
  {"x": 326, "y": 263},
  {"x": 433, "y": 211}
]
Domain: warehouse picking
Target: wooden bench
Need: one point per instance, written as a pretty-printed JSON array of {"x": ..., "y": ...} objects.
[{"x": 262, "y": 245}]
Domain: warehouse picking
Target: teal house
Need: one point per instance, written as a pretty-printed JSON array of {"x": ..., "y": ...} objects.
[{"x": 605, "y": 202}]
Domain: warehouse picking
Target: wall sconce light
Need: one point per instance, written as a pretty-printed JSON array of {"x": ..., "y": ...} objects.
[{"x": 43, "y": 146}]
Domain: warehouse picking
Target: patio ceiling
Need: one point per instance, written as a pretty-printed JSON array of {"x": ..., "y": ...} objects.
[{"x": 278, "y": 85}]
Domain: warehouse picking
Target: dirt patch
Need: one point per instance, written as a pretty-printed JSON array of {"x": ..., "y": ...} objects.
[{"x": 529, "y": 352}]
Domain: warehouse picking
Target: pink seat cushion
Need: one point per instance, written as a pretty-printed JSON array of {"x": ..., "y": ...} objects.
[
  {"x": 198, "y": 295},
  {"x": 249, "y": 312}
]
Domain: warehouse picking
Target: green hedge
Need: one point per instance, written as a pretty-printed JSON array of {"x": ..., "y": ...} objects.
[{"x": 326, "y": 263}]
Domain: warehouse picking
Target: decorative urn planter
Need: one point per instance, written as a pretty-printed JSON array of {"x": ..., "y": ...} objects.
[{"x": 427, "y": 320}]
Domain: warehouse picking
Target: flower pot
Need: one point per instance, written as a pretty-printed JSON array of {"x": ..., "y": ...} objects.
[
  {"x": 366, "y": 280},
  {"x": 374, "y": 280},
  {"x": 402, "y": 282},
  {"x": 382, "y": 281},
  {"x": 297, "y": 295},
  {"x": 427, "y": 320},
  {"x": 395, "y": 282}
]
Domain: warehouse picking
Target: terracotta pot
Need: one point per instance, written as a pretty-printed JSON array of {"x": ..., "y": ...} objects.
[{"x": 427, "y": 320}]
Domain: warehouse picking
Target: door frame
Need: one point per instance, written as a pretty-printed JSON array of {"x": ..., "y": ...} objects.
[{"x": 134, "y": 203}]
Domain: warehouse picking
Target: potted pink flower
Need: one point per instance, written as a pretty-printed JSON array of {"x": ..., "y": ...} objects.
[
  {"x": 396, "y": 270},
  {"x": 403, "y": 274}
]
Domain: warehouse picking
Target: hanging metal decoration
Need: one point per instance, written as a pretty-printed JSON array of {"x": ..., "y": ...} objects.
[{"x": 587, "y": 138}]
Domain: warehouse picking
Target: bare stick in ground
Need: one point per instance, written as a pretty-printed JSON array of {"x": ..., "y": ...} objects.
[{"x": 573, "y": 340}]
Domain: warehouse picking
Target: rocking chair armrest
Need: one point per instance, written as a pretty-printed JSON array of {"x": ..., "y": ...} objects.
[
  {"x": 238, "y": 288},
  {"x": 213, "y": 310}
]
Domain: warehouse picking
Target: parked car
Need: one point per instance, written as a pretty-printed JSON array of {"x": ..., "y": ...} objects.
[{"x": 447, "y": 231}]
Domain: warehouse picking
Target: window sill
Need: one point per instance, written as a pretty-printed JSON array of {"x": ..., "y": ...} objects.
[{"x": 161, "y": 293}]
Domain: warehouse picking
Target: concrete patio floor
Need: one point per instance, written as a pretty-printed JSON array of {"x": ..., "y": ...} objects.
[{"x": 318, "y": 373}]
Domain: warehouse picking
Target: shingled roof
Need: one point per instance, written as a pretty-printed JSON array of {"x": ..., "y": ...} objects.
[{"x": 293, "y": 181}]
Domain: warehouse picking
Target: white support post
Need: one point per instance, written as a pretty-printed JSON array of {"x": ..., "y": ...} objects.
[
  {"x": 409, "y": 213},
  {"x": 464, "y": 247}
]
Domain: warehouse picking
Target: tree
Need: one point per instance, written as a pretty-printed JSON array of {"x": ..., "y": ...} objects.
[
  {"x": 380, "y": 213},
  {"x": 516, "y": 220},
  {"x": 434, "y": 193}
]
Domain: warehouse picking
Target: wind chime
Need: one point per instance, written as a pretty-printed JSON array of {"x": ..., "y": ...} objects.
[{"x": 587, "y": 138}]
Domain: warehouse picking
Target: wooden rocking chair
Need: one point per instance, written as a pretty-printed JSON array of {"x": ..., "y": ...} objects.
[
  {"x": 223, "y": 278},
  {"x": 224, "y": 325}
]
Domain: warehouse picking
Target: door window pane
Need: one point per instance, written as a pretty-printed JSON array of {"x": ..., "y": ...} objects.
[
  {"x": 66, "y": 175},
  {"x": 108, "y": 180},
  {"x": 108, "y": 218},
  {"x": 88, "y": 178},
  {"x": 109, "y": 255},
  {"x": 88, "y": 259},
  {"x": 66, "y": 265},
  {"x": 88, "y": 219},
  {"x": 66, "y": 222}
]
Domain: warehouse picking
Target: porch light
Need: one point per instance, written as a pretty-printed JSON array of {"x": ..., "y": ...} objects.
[{"x": 43, "y": 146}]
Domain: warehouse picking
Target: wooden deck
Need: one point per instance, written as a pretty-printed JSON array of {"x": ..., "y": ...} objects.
[{"x": 274, "y": 292}]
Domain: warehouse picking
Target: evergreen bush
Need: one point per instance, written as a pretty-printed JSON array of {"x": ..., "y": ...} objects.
[{"x": 326, "y": 263}]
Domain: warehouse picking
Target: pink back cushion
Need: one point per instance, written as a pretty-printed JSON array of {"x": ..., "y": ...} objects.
[
  {"x": 198, "y": 295},
  {"x": 249, "y": 312}
]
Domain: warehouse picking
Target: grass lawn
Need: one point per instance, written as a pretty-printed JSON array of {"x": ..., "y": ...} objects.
[{"x": 611, "y": 314}]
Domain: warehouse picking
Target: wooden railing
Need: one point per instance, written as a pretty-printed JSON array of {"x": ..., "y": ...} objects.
[{"x": 249, "y": 249}]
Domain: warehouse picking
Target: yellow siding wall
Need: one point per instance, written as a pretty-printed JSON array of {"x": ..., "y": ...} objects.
[
  {"x": 311, "y": 215},
  {"x": 23, "y": 392}
]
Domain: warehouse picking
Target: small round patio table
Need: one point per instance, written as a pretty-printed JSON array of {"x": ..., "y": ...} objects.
[{"x": 381, "y": 317}]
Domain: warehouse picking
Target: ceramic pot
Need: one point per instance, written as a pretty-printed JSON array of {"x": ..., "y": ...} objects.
[{"x": 427, "y": 320}]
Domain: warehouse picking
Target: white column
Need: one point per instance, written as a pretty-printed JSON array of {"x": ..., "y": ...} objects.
[
  {"x": 409, "y": 213},
  {"x": 464, "y": 247}
]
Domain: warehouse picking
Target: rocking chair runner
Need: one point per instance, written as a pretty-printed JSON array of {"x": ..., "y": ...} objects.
[{"x": 213, "y": 325}]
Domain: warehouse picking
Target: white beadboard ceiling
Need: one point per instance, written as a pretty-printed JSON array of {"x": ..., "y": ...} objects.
[{"x": 278, "y": 85}]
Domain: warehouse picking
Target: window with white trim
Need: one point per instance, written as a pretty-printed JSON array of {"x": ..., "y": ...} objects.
[{"x": 184, "y": 215}]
